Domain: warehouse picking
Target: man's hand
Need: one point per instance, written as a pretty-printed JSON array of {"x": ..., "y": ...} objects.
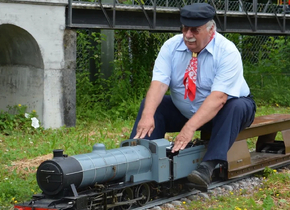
[
  {"x": 183, "y": 138},
  {"x": 207, "y": 111},
  {"x": 154, "y": 96},
  {"x": 145, "y": 126}
]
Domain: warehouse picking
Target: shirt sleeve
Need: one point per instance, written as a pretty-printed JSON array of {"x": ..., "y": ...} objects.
[
  {"x": 229, "y": 75},
  {"x": 163, "y": 65}
]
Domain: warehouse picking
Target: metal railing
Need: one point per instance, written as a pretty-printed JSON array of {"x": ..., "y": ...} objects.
[
  {"x": 254, "y": 14},
  {"x": 222, "y": 5}
]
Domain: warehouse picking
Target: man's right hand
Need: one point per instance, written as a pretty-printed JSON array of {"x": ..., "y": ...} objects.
[
  {"x": 145, "y": 127},
  {"x": 154, "y": 96}
]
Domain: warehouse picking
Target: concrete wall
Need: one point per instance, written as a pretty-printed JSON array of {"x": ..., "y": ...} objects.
[{"x": 37, "y": 60}]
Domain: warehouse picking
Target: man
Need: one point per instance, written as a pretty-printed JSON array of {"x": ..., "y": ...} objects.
[{"x": 207, "y": 91}]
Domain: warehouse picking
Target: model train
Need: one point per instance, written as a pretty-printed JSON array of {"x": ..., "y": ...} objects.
[
  {"x": 137, "y": 172},
  {"x": 142, "y": 170}
]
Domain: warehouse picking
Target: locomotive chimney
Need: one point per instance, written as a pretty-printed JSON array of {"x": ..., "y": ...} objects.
[{"x": 57, "y": 153}]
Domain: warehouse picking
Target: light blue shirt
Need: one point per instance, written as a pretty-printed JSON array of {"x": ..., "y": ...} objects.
[{"x": 219, "y": 68}]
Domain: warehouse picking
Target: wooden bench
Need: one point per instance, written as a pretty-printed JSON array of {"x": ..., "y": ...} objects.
[{"x": 265, "y": 128}]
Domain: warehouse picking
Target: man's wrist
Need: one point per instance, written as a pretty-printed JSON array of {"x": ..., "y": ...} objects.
[
  {"x": 190, "y": 126},
  {"x": 147, "y": 114}
]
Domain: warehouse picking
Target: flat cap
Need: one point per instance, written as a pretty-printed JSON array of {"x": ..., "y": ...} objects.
[{"x": 196, "y": 14}]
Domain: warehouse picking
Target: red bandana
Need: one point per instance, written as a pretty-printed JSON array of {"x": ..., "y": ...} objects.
[{"x": 190, "y": 76}]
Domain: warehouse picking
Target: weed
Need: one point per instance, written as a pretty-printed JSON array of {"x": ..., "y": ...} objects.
[{"x": 16, "y": 119}]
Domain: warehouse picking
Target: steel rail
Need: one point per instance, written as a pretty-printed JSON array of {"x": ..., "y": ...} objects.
[
  {"x": 161, "y": 201},
  {"x": 212, "y": 186}
]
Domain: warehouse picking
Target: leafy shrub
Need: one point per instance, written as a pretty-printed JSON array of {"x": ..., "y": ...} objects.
[
  {"x": 267, "y": 71},
  {"x": 269, "y": 78},
  {"x": 118, "y": 96},
  {"x": 16, "y": 119}
]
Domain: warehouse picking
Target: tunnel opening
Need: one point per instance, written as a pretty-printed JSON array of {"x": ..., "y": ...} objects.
[{"x": 21, "y": 70}]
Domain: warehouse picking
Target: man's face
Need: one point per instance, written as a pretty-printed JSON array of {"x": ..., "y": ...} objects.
[{"x": 196, "y": 38}]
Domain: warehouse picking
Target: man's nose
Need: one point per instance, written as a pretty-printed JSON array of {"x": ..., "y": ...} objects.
[{"x": 188, "y": 33}]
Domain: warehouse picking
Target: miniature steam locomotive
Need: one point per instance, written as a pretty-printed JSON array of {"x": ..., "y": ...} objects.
[
  {"x": 142, "y": 170},
  {"x": 137, "y": 172}
]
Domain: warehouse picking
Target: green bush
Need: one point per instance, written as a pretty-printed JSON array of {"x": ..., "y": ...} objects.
[
  {"x": 269, "y": 78},
  {"x": 266, "y": 69},
  {"x": 16, "y": 119},
  {"x": 118, "y": 96}
]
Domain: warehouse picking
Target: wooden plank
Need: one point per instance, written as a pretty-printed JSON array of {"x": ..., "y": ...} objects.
[{"x": 268, "y": 124}]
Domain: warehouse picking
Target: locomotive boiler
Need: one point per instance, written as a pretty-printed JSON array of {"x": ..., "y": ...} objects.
[{"x": 118, "y": 178}]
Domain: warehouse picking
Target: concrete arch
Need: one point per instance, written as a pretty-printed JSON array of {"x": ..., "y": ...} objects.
[
  {"x": 18, "y": 47},
  {"x": 21, "y": 69}
]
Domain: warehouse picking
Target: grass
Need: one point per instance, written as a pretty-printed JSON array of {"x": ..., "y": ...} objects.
[
  {"x": 272, "y": 195},
  {"x": 19, "y": 152}
]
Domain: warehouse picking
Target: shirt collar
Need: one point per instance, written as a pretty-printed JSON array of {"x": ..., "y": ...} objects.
[
  {"x": 182, "y": 46},
  {"x": 209, "y": 47}
]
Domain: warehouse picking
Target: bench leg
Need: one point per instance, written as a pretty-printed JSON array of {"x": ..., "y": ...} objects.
[
  {"x": 238, "y": 155},
  {"x": 268, "y": 138},
  {"x": 286, "y": 139}
]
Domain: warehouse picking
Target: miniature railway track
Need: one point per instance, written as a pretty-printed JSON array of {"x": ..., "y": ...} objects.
[
  {"x": 213, "y": 185},
  {"x": 162, "y": 201}
]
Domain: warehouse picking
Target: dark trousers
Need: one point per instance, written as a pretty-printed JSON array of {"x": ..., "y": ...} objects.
[{"x": 236, "y": 115}]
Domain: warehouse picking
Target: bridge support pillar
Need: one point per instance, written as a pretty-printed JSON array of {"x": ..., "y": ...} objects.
[{"x": 38, "y": 60}]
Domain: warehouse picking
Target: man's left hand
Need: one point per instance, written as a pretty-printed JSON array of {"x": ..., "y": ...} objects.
[{"x": 182, "y": 139}]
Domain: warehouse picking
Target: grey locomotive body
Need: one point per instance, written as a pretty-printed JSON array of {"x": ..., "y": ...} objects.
[{"x": 113, "y": 178}]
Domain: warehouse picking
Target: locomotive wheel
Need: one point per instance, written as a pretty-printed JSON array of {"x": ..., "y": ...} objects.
[
  {"x": 175, "y": 190},
  {"x": 143, "y": 191},
  {"x": 127, "y": 195}
]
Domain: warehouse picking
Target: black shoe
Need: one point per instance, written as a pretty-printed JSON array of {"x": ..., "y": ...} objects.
[{"x": 201, "y": 177}]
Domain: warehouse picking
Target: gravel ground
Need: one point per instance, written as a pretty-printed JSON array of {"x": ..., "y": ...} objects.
[{"x": 248, "y": 184}]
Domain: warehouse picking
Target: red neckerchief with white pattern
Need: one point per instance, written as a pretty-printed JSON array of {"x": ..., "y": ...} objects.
[{"x": 190, "y": 75}]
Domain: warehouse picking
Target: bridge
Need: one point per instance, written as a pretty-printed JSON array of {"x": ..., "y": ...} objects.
[
  {"x": 38, "y": 42},
  {"x": 163, "y": 16}
]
